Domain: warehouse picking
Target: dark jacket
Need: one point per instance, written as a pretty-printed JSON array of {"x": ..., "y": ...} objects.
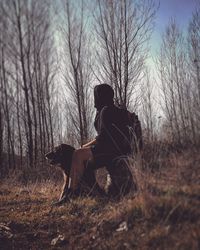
[
  {"x": 111, "y": 126},
  {"x": 112, "y": 141}
]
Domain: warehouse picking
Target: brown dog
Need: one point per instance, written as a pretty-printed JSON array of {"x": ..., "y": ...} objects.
[{"x": 62, "y": 156}]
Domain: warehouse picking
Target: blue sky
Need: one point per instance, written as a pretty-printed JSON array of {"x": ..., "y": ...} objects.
[{"x": 181, "y": 10}]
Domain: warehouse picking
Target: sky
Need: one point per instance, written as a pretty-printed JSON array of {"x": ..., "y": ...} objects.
[{"x": 181, "y": 10}]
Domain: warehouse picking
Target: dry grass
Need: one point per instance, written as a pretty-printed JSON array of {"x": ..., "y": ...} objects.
[{"x": 164, "y": 214}]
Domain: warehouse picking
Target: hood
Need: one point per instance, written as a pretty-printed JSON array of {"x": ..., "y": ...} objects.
[{"x": 103, "y": 96}]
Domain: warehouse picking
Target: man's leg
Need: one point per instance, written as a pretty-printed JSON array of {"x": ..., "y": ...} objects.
[{"x": 121, "y": 178}]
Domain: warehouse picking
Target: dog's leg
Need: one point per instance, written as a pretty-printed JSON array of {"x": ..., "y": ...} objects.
[
  {"x": 65, "y": 186},
  {"x": 63, "y": 197}
]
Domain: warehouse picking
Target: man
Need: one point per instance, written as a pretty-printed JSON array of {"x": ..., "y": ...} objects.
[{"x": 112, "y": 142}]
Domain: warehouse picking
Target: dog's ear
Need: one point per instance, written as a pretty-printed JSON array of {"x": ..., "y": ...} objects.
[
  {"x": 66, "y": 156},
  {"x": 62, "y": 155}
]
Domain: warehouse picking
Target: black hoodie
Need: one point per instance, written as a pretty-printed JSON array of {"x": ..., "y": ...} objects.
[
  {"x": 103, "y": 96},
  {"x": 111, "y": 126}
]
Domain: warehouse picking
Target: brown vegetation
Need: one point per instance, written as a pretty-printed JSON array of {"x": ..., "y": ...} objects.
[
  {"x": 164, "y": 214},
  {"x": 41, "y": 106}
]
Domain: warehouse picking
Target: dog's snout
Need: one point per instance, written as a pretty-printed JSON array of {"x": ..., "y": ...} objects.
[{"x": 49, "y": 155}]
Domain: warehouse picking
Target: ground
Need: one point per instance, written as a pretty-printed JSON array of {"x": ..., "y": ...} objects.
[{"x": 163, "y": 214}]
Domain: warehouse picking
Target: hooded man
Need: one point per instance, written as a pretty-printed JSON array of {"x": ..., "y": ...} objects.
[{"x": 111, "y": 143}]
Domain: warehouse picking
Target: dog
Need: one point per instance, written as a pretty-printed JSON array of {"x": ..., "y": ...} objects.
[{"x": 62, "y": 157}]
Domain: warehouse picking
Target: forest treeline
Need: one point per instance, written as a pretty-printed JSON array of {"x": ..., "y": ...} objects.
[{"x": 52, "y": 53}]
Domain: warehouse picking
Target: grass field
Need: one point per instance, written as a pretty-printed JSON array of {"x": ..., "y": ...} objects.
[{"x": 163, "y": 214}]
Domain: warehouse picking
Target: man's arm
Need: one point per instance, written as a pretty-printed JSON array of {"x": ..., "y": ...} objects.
[
  {"x": 93, "y": 142},
  {"x": 105, "y": 128}
]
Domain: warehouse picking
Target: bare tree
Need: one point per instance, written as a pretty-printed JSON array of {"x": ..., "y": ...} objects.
[
  {"x": 123, "y": 29},
  {"x": 194, "y": 67},
  {"x": 148, "y": 107},
  {"x": 27, "y": 77},
  {"x": 1, "y": 100},
  {"x": 7, "y": 105},
  {"x": 172, "y": 65},
  {"x": 1, "y": 136},
  {"x": 77, "y": 70}
]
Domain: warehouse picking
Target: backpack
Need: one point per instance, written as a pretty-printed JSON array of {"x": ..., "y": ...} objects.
[
  {"x": 135, "y": 131},
  {"x": 130, "y": 130}
]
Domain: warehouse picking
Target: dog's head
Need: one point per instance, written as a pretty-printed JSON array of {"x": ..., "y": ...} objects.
[{"x": 61, "y": 155}]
